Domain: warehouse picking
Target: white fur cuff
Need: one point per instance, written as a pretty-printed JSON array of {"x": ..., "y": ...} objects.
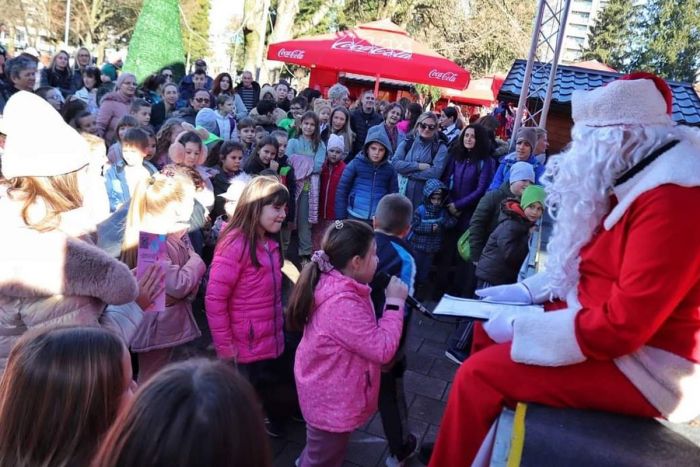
[{"x": 546, "y": 339}]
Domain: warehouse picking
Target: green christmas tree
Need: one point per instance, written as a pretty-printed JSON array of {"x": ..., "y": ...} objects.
[
  {"x": 157, "y": 40},
  {"x": 609, "y": 39}
]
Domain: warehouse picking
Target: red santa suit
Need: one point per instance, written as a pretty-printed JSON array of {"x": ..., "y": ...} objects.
[{"x": 629, "y": 342}]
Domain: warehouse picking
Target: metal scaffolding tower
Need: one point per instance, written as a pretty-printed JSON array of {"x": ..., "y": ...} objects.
[{"x": 545, "y": 49}]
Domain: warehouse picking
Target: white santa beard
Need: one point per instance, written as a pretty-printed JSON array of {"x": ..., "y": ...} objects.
[{"x": 579, "y": 183}]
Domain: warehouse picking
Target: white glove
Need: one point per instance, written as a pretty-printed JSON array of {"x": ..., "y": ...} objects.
[
  {"x": 500, "y": 326},
  {"x": 509, "y": 293}
]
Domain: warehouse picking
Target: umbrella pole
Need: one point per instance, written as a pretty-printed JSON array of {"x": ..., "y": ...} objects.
[{"x": 376, "y": 86}]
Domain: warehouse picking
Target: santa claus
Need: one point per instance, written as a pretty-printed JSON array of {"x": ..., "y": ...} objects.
[{"x": 625, "y": 258}]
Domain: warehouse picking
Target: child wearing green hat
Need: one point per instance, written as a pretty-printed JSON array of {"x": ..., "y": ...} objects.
[{"x": 507, "y": 246}]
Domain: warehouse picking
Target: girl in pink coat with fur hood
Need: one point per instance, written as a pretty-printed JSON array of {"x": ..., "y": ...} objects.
[{"x": 338, "y": 362}]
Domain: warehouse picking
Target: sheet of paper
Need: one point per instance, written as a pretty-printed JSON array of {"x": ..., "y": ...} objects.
[
  {"x": 152, "y": 250},
  {"x": 479, "y": 309}
]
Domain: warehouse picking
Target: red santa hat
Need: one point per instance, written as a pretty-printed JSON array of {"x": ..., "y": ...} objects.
[{"x": 634, "y": 99}]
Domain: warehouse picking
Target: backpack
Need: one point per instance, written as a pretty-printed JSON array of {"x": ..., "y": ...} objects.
[{"x": 463, "y": 246}]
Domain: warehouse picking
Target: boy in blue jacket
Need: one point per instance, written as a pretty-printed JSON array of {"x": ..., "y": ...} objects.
[
  {"x": 430, "y": 220},
  {"x": 392, "y": 222},
  {"x": 366, "y": 179}
]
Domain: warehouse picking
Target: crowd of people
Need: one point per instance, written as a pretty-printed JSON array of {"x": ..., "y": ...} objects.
[{"x": 373, "y": 200}]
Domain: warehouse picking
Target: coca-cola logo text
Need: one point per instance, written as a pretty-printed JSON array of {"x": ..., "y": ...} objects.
[
  {"x": 297, "y": 54},
  {"x": 363, "y": 47},
  {"x": 443, "y": 75}
]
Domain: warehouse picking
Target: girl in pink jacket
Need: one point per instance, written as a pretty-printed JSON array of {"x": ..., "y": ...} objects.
[
  {"x": 337, "y": 365},
  {"x": 244, "y": 294},
  {"x": 162, "y": 204}
]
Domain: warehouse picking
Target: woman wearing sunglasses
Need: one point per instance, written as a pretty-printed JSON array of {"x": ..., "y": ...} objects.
[{"x": 420, "y": 157}]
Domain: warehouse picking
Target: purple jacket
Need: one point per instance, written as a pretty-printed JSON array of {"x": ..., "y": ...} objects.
[
  {"x": 338, "y": 362},
  {"x": 467, "y": 183},
  {"x": 243, "y": 302}
]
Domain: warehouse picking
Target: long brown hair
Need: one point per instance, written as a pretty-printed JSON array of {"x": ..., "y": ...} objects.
[
  {"x": 342, "y": 241},
  {"x": 346, "y": 132},
  {"x": 198, "y": 413},
  {"x": 164, "y": 136},
  {"x": 59, "y": 395},
  {"x": 260, "y": 192},
  {"x": 59, "y": 193},
  {"x": 316, "y": 137}
]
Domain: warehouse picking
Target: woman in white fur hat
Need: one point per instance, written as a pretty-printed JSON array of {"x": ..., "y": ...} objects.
[{"x": 50, "y": 273}]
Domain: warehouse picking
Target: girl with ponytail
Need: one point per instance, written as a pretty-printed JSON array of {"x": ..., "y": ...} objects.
[{"x": 337, "y": 365}]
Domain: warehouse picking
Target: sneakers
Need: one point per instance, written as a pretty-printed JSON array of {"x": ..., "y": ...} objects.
[
  {"x": 274, "y": 428},
  {"x": 455, "y": 355},
  {"x": 408, "y": 451}
]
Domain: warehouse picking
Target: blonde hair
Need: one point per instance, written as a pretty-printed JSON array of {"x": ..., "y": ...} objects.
[
  {"x": 59, "y": 194},
  {"x": 423, "y": 117},
  {"x": 151, "y": 197}
]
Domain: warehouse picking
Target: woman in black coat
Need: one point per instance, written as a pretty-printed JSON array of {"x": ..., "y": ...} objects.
[{"x": 58, "y": 74}]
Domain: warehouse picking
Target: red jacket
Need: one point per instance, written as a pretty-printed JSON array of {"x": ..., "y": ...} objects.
[{"x": 330, "y": 177}]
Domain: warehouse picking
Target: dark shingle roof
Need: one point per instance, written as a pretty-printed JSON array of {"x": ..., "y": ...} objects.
[{"x": 686, "y": 103}]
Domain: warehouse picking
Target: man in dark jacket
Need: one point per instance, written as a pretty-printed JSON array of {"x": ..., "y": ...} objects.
[
  {"x": 361, "y": 119},
  {"x": 198, "y": 79},
  {"x": 249, "y": 90}
]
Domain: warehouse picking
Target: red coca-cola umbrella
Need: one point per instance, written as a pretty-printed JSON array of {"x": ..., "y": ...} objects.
[{"x": 380, "y": 49}]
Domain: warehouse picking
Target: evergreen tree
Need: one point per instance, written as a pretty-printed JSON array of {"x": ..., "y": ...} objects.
[
  {"x": 609, "y": 38},
  {"x": 157, "y": 40},
  {"x": 196, "y": 28},
  {"x": 671, "y": 39}
]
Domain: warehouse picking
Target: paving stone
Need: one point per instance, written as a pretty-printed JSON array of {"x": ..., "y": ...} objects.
[
  {"x": 288, "y": 455},
  {"x": 425, "y": 385},
  {"x": 419, "y": 363},
  {"x": 427, "y": 409},
  {"x": 443, "y": 369},
  {"x": 365, "y": 449},
  {"x": 374, "y": 427},
  {"x": 432, "y": 349},
  {"x": 413, "y": 343},
  {"x": 431, "y": 333},
  {"x": 446, "y": 395}
]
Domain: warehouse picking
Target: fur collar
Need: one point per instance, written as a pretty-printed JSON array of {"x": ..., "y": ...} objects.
[{"x": 678, "y": 166}]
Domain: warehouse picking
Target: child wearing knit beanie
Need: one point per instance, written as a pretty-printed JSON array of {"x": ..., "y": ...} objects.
[{"x": 331, "y": 172}]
